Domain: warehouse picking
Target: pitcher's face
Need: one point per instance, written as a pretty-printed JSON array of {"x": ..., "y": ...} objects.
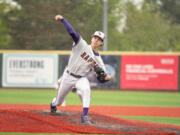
[{"x": 96, "y": 41}]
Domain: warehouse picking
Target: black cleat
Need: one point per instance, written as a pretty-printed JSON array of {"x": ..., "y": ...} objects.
[
  {"x": 74, "y": 90},
  {"x": 84, "y": 120},
  {"x": 53, "y": 108}
]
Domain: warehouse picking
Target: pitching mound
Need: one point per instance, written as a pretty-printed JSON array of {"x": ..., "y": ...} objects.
[{"x": 38, "y": 121}]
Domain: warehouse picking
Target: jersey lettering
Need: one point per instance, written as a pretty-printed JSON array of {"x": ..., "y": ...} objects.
[
  {"x": 88, "y": 59},
  {"x": 83, "y": 55}
]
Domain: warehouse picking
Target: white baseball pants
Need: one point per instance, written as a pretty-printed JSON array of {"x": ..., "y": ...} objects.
[{"x": 67, "y": 82}]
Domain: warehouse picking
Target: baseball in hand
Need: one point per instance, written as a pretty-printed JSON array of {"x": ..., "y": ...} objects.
[{"x": 58, "y": 17}]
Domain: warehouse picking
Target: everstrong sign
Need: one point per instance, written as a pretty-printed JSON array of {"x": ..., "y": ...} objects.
[{"x": 30, "y": 70}]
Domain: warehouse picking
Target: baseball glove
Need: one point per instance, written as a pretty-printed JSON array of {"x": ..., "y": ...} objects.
[{"x": 100, "y": 74}]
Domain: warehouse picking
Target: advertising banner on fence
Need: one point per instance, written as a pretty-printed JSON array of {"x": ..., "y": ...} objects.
[
  {"x": 29, "y": 70},
  {"x": 149, "y": 72}
]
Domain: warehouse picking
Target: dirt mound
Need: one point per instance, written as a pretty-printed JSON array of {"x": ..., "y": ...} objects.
[{"x": 38, "y": 121}]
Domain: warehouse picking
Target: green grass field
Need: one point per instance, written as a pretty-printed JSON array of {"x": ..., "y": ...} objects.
[
  {"x": 111, "y": 98},
  {"x": 114, "y": 98}
]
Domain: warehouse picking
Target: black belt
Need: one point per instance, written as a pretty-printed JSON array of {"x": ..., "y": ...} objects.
[{"x": 76, "y": 76}]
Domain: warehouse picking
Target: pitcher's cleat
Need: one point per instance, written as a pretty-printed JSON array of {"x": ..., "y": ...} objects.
[
  {"x": 53, "y": 108},
  {"x": 74, "y": 90},
  {"x": 84, "y": 120}
]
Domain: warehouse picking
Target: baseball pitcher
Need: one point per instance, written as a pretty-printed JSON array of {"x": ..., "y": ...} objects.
[{"x": 83, "y": 60}]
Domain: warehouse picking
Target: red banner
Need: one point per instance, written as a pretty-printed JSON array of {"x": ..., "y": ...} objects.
[{"x": 149, "y": 72}]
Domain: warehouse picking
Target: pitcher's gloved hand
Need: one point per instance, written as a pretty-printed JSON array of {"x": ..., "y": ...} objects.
[{"x": 101, "y": 75}]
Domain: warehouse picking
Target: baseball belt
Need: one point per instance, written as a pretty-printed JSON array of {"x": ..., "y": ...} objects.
[{"x": 76, "y": 76}]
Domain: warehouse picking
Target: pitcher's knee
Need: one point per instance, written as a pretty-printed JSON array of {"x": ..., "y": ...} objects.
[{"x": 86, "y": 91}]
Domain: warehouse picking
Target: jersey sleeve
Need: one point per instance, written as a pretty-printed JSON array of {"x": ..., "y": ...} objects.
[
  {"x": 80, "y": 46},
  {"x": 75, "y": 36},
  {"x": 100, "y": 62}
]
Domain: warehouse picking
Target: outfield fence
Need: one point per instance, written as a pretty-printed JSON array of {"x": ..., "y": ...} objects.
[{"x": 129, "y": 70}]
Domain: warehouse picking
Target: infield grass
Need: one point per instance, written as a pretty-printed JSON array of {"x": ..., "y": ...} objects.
[
  {"x": 163, "y": 120},
  {"x": 111, "y": 98}
]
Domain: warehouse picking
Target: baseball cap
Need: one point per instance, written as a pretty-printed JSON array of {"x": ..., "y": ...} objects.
[{"x": 99, "y": 34}]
